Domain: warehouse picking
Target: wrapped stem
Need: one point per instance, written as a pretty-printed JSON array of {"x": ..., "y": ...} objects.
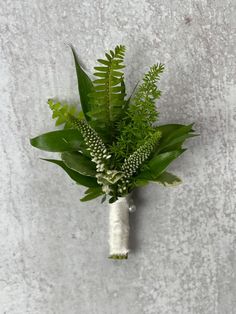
[{"x": 119, "y": 228}]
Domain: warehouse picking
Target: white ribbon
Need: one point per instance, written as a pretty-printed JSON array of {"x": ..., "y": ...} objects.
[{"x": 119, "y": 226}]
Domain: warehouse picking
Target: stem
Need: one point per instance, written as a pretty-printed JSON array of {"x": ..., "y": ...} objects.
[{"x": 119, "y": 228}]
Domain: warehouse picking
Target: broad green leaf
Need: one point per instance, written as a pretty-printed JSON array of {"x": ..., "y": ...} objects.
[
  {"x": 167, "y": 129},
  {"x": 173, "y": 136},
  {"x": 183, "y": 130},
  {"x": 176, "y": 143},
  {"x": 74, "y": 175},
  {"x": 60, "y": 141},
  {"x": 158, "y": 164},
  {"x": 85, "y": 85},
  {"x": 167, "y": 179},
  {"x": 79, "y": 162},
  {"x": 92, "y": 193}
]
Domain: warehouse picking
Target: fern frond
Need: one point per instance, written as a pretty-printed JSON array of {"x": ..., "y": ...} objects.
[
  {"x": 107, "y": 99},
  {"x": 62, "y": 111}
]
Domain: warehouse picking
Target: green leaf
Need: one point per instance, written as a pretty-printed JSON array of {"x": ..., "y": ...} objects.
[
  {"x": 175, "y": 143},
  {"x": 60, "y": 141},
  {"x": 105, "y": 62},
  {"x": 167, "y": 179},
  {"x": 168, "y": 129},
  {"x": 78, "y": 162},
  {"x": 92, "y": 193},
  {"x": 158, "y": 164},
  {"x": 173, "y": 136},
  {"x": 112, "y": 199},
  {"x": 61, "y": 111},
  {"x": 140, "y": 183},
  {"x": 85, "y": 85},
  {"x": 107, "y": 99},
  {"x": 139, "y": 115},
  {"x": 77, "y": 177}
]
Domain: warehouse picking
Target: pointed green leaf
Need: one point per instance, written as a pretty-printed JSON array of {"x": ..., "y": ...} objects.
[
  {"x": 117, "y": 73},
  {"x": 175, "y": 143},
  {"x": 181, "y": 131},
  {"x": 108, "y": 56},
  {"x": 85, "y": 85},
  {"x": 77, "y": 177},
  {"x": 170, "y": 133},
  {"x": 60, "y": 141},
  {"x": 158, "y": 164},
  {"x": 80, "y": 163},
  {"x": 103, "y": 69},
  {"x": 100, "y": 81},
  {"x": 105, "y": 62},
  {"x": 117, "y": 89},
  {"x": 167, "y": 179},
  {"x": 92, "y": 193},
  {"x": 100, "y": 74},
  {"x": 99, "y": 88}
]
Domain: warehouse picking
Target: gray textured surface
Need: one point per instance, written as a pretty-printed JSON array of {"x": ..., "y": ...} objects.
[{"x": 53, "y": 249}]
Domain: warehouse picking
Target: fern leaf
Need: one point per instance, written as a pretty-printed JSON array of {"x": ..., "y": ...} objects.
[{"x": 107, "y": 99}]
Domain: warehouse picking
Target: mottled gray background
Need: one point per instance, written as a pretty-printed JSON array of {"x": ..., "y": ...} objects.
[{"x": 53, "y": 249}]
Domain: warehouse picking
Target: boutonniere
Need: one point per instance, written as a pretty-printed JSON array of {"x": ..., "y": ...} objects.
[{"x": 113, "y": 144}]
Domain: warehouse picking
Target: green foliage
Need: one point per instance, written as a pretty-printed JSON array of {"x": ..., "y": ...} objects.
[
  {"x": 60, "y": 141},
  {"x": 167, "y": 179},
  {"x": 85, "y": 85},
  {"x": 74, "y": 175},
  {"x": 174, "y": 136},
  {"x": 107, "y": 99},
  {"x": 158, "y": 164},
  {"x": 60, "y": 112},
  {"x": 80, "y": 163},
  {"x": 113, "y": 145},
  {"x": 137, "y": 126},
  {"x": 92, "y": 193}
]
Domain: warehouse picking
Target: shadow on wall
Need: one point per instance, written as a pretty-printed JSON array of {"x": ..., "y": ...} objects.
[{"x": 139, "y": 202}]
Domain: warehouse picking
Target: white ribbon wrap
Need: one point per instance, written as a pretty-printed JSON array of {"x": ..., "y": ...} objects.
[{"x": 119, "y": 226}]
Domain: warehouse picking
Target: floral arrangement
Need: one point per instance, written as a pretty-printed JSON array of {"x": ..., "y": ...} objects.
[{"x": 113, "y": 145}]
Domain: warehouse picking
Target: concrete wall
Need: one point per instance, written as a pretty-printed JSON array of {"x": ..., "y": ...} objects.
[{"x": 53, "y": 249}]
